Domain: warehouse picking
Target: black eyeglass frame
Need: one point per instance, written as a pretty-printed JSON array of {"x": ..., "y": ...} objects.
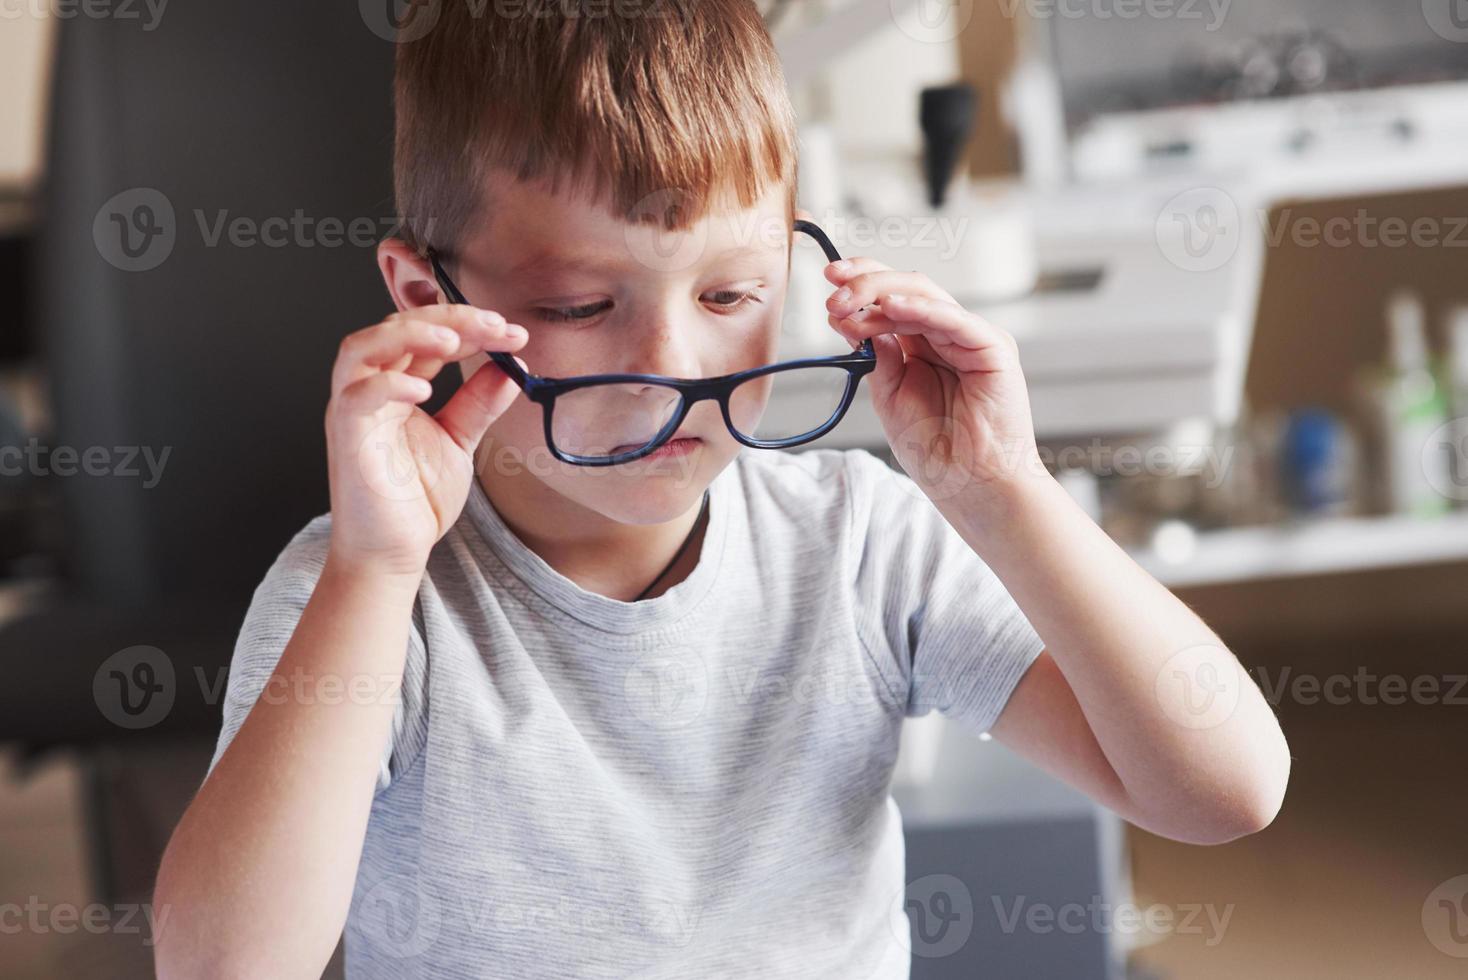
[{"x": 544, "y": 391}]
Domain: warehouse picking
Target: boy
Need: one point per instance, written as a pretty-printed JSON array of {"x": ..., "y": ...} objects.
[{"x": 505, "y": 717}]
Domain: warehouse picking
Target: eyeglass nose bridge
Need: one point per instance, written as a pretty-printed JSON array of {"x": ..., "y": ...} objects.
[{"x": 690, "y": 393}]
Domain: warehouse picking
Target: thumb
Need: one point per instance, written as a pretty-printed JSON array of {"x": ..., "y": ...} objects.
[
  {"x": 480, "y": 400},
  {"x": 891, "y": 362}
]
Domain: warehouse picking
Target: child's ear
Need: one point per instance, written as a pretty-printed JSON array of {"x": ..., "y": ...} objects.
[{"x": 408, "y": 275}]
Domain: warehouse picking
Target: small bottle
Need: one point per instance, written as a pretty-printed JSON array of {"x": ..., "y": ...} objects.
[
  {"x": 1413, "y": 408},
  {"x": 1456, "y": 383},
  {"x": 1318, "y": 464}
]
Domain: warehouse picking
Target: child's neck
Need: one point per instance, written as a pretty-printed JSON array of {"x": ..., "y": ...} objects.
[{"x": 600, "y": 555}]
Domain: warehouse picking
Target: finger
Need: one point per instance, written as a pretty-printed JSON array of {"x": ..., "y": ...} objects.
[
  {"x": 844, "y": 269},
  {"x": 942, "y": 321},
  {"x": 421, "y": 346},
  {"x": 891, "y": 365},
  {"x": 956, "y": 337},
  {"x": 480, "y": 400},
  {"x": 392, "y": 343},
  {"x": 864, "y": 289},
  {"x": 459, "y": 316},
  {"x": 920, "y": 347},
  {"x": 490, "y": 336},
  {"x": 383, "y": 388},
  {"x": 513, "y": 338}
]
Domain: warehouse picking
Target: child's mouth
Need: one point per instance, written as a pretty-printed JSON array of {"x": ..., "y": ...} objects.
[{"x": 672, "y": 448}]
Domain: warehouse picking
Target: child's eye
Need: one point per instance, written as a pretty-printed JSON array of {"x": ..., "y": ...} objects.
[
  {"x": 562, "y": 314},
  {"x": 727, "y": 300},
  {"x": 731, "y": 299}
]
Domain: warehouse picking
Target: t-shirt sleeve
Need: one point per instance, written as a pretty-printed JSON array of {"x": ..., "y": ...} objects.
[
  {"x": 934, "y": 616},
  {"x": 276, "y": 608}
]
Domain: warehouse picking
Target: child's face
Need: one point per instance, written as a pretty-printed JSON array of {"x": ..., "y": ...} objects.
[{"x": 600, "y": 295}]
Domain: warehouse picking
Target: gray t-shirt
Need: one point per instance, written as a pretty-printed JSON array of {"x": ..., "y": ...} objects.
[{"x": 694, "y": 785}]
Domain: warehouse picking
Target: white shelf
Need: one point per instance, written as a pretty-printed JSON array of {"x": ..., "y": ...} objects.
[{"x": 1321, "y": 547}]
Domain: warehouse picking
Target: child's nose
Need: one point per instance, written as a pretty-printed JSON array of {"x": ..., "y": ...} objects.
[{"x": 666, "y": 348}]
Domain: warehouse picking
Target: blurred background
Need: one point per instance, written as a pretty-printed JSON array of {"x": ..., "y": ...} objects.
[{"x": 1230, "y": 236}]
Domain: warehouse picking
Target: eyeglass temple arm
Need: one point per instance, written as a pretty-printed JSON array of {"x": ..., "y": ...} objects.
[
  {"x": 505, "y": 362},
  {"x": 814, "y": 231}
]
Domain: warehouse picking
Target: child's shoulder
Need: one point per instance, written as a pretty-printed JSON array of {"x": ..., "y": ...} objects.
[{"x": 299, "y": 564}]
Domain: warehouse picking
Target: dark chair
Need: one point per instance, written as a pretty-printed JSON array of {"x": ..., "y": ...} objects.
[{"x": 211, "y": 349}]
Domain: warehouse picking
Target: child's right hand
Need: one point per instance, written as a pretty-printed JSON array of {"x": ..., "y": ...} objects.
[{"x": 399, "y": 476}]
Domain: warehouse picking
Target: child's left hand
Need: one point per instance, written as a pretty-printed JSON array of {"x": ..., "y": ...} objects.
[{"x": 947, "y": 385}]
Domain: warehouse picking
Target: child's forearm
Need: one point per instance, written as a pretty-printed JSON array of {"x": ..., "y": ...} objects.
[
  {"x": 258, "y": 876},
  {"x": 1141, "y": 665}
]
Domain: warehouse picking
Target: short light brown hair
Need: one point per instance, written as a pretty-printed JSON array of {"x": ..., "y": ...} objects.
[{"x": 632, "y": 101}]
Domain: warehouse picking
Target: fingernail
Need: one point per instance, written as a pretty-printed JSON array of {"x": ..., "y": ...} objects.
[
  {"x": 448, "y": 336},
  {"x": 491, "y": 318},
  {"x": 841, "y": 265},
  {"x": 516, "y": 332},
  {"x": 841, "y": 295},
  {"x": 897, "y": 296}
]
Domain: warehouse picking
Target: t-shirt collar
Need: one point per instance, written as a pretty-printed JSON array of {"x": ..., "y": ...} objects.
[{"x": 542, "y": 584}]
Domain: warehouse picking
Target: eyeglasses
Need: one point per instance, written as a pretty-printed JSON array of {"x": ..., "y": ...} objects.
[{"x": 607, "y": 419}]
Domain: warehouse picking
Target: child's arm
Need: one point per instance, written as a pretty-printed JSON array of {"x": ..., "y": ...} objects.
[
  {"x": 1135, "y": 700},
  {"x": 259, "y": 873},
  {"x": 258, "y": 877}
]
